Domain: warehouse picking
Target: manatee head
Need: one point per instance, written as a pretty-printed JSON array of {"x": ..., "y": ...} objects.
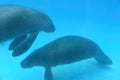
[
  {"x": 29, "y": 61},
  {"x": 47, "y": 24},
  {"x": 34, "y": 59},
  {"x": 26, "y": 63}
]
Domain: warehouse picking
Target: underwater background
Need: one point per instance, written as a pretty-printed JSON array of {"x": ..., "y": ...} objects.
[{"x": 98, "y": 20}]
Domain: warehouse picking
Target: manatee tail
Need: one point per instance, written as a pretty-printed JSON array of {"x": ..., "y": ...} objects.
[
  {"x": 103, "y": 59},
  {"x": 48, "y": 73}
]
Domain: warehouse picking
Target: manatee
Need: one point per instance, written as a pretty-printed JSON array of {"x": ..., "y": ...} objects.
[
  {"x": 65, "y": 50},
  {"x": 17, "y": 21}
]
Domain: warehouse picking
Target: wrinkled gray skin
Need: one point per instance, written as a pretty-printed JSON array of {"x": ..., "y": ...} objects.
[
  {"x": 18, "y": 21},
  {"x": 65, "y": 50}
]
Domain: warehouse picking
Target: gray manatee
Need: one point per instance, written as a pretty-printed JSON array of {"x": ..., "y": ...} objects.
[
  {"x": 65, "y": 50},
  {"x": 17, "y": 22}
]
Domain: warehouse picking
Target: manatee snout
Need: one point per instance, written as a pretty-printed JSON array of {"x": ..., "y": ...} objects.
[
  {"x": 22, "y": 64},
  {"x": 50, "y": 29},
  {"x": 103, "y": 59},
  {"x": 53, "y": 29},
  {"x": 25, "y": 64},
  {"x": 47, "y": 25},
  {"x": 108, "y": 62}
]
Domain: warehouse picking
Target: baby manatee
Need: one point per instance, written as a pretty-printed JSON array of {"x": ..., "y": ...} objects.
[
  {"x": 23, "y": 25},
  {"x": 65, "y": 50}
]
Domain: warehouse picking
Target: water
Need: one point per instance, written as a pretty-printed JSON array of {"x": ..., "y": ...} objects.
[{"x": 96, "y": 20}]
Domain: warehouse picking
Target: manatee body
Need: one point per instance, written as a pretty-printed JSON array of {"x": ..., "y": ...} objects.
[
  {"x": 17, "y": 22},
  {"x": 65, "y": 50}
]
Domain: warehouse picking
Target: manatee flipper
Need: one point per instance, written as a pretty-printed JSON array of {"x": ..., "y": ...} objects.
[
  {"x": 48, "y": 73},
  {"x": 25, "y": 45},
  {"x": 16, "y": 42},
  {"x": 103, "y": 59}
]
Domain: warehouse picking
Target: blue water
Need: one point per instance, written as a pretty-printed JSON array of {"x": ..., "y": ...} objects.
[{"x": 97, "y": 20}]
